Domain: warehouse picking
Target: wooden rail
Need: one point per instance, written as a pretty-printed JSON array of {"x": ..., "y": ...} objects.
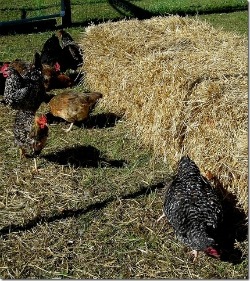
[{"x": 65, "y": 14}]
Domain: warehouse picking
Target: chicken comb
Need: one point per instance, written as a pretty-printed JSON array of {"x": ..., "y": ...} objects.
[
  {"x": 212, "y": 252},
  {"x": 4, "y": 69},
  {"x": 57, "y": 66},
  {"x": 41, "y": 121}
]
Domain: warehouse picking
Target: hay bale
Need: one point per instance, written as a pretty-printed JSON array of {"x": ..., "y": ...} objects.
[{"x": 182, "y": 86}]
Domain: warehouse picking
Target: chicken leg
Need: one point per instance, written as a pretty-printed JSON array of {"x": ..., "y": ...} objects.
[
  {"x": 161, "y": 217},
  {"x": 195, "y": 254},
  {"x": 69, "y": 128}
]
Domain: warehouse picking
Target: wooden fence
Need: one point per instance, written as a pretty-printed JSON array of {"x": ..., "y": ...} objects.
[{"x": 64, "y": 12}]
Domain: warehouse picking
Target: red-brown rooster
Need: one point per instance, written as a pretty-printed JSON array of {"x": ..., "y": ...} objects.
[
  {"x": 30, "y": 133},
  {"x": 54, "y": 79}
]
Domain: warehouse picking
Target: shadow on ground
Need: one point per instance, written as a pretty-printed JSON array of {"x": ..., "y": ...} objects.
[
  {"x": 97, "y": 206},
  {"x": 123, "y": 5},
  {"x": 98, "y": 121},
  {"x": 233, "y": 228},
  {"x": 101, "y": 120},
  {"x": 83, "y": 156}
]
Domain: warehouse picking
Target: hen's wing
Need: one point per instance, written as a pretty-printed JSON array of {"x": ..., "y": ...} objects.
[
  {"x": 72, "y": 57},
  {"x": 72, "y": 106},
  {"x": 72, "y": 53},
  {"x": 35, "y": 82},
  {"x": 25, "y": 92},
  {"x": 192, "y": 200},
  {"x": 22, "y": 127},
  {"x": 15, "y": 90}
]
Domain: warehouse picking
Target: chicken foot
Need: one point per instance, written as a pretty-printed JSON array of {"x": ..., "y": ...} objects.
[
  {"x": 161, "y": 217},
  {"x": 70, "y": 127}
]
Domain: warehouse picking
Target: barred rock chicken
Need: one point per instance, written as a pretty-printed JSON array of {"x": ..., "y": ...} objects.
[
  {"x": 21, "y": 66},
  {"x": 193, "y": 209},
  {"x": 25, "y": 92},
  {"x": 72, "y": 106},
  {"x": 72, "y": 54},
  {"x": 30, "y": 133}
]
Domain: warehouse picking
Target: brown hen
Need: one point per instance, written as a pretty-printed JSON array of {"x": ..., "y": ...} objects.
[
  {"x": 54, "y": 79},
  {"x": 73, "y": 106}
]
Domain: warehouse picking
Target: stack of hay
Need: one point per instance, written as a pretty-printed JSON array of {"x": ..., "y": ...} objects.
[{"x": 182, "y": 86}]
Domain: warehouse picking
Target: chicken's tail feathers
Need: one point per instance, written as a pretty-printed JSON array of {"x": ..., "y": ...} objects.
[{"x": 37, "y": 61}]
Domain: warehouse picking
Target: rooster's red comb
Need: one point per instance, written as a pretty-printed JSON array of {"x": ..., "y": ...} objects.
[
  {"x": 57, "y": 66},
  {"x": 4, "y": 67},
  {"x": 41, "y": 121}
]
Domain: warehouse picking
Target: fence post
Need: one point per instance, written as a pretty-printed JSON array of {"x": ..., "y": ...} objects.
[{"x": 66, "y": 19}]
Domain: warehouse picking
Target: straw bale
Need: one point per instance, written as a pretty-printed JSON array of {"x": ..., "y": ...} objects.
[
  {"x": 182, "y": 87},
  {"x": 217, "y": 129}
]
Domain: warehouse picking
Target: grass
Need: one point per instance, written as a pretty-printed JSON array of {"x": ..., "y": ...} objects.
[
  {"x": 98, "y": 10},
  {"x": 236, "y": 22},
  {"x": 92, "y": 215},
  {"x": 13, "y": 45}
]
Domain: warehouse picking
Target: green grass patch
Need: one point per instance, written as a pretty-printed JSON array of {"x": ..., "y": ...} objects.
[
  {"x": 194, "y": 6},
  {"x": 84, "y": 11},
  {"x": 233, "y": 22},
  {"x": 12, "y": 46}
]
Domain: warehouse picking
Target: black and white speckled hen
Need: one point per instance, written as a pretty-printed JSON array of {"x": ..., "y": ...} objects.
[
  {"x": 193, "y": 209},
  {"x": 30, "y": 133},
  {"x": 72, "y": 54},
  {"x": 26, "y": 91}
]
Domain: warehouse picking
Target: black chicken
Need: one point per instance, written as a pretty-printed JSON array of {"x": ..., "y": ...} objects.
[
  {"x": 51, "y": 53},
  {"x": 25, "y": 92},
  {"x": 72, "y": 54},
  {"x": 193, "y": 209}
]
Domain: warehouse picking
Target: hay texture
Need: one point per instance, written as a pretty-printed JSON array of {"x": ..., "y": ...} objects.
[{"x": 182, "y": 87}]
